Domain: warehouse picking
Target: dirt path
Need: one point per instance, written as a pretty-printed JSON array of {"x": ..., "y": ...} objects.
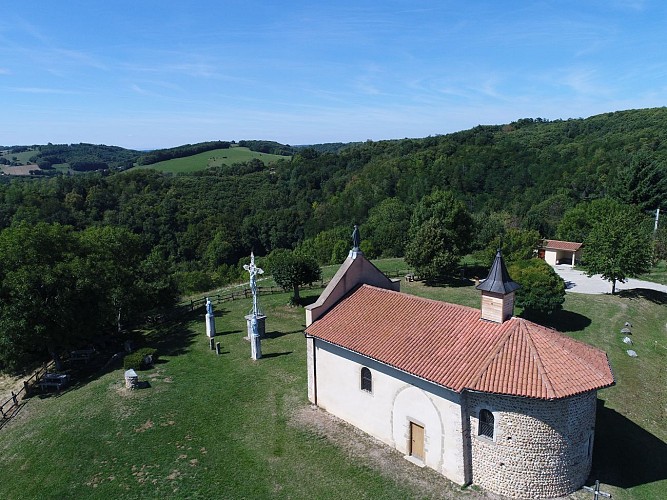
[{"x": 9, "y": 384}]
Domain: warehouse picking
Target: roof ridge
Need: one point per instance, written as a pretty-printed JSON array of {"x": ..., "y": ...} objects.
[
  {"x": 492, "y": 357},
  {"x": 520, "y": 328},
  {"x": 565, "y": 341},
  {"x": 548, "y": 384},
  {"x": 441, "y": 303}
]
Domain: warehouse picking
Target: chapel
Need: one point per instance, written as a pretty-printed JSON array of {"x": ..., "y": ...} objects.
[{"x": 479, "y": 395}]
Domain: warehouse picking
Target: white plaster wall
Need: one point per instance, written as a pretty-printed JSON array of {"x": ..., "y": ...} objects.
[
  {"x": 310, "y": 363},
  {"x": 550, "y": 257},
  {"x": 397, "y": 399}
]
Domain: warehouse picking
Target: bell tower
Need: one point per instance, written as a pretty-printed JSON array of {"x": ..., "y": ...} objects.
[{"x": 498, "y": 292}]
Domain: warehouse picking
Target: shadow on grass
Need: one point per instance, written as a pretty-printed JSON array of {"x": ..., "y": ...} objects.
[
  {"x": 171, "y": 338},
  {"x": 448, "y": 282},
  {"x": 228, "y": 332},
  {"x": 276, "y": 334},
  {"x": 9, "y": 415},
  {"x": 276, "y": 354},
  {"x": 654, "y": 296},
  {"x": 625, "y": 454},
  {"x": 306, "y": 301},
  {"x": 563, "y": 321}
]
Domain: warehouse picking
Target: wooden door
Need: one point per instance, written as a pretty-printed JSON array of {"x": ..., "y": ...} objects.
[{"x": 416, "y": 441}]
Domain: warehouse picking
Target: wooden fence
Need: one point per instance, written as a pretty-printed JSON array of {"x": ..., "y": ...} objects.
[
  {"x": 246, "y": 293},
  {"x": 9, "y": 407}
]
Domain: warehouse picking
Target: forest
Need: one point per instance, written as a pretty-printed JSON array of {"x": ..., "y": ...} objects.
[{"x": 532, "y": 178}]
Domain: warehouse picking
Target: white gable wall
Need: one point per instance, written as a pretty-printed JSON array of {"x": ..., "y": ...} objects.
[
  {"x": 553, "y": 256},
  {"x": 354, "y": 271},
  {"x": 396, "y": 400}
]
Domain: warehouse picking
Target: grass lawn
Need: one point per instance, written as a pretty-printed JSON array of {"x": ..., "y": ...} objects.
[
  {"x": 227, "y": 427},
  {"x": 208, "y": 427},
  {"x": 658, "y": 274},
  {"x": 214, "y": 158}
]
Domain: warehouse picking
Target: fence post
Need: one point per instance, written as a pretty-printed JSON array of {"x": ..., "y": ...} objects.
[{"x": 14, "y": 398}]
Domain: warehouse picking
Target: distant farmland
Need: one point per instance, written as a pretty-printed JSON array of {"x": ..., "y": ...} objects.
[{"x": 214, "y": 158}]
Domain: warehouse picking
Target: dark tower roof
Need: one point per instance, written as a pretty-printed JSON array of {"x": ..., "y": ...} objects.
[{"x": 498, "y": 280}]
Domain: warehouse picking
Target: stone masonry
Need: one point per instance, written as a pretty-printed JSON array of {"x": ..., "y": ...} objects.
[{"x": 540, "y": 449}]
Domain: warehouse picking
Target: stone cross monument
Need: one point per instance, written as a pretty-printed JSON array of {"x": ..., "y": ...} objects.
[
  {"x": 254, "y": 271},
  {"x": 256, "y": 321},
  {"x": 210, "y": 319}
]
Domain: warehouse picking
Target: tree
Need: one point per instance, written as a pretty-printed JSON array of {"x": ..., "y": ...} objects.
[
  {"x": 489, "y": 225},
  {"x": 292, "y": 270},
  {"x": 328, "y": 247},
  {"x": 660, "y": 244},
  {"x": 642, "y": 181},
  {"x": 387, "y": 227},
  {"x": 545, "y": 216},
  {"x": 542, "y": 290},
  {"x": 113, "y": 255},
  {"x": 441, "y": 232},
  {"x": 48, "y": 297},
  {"x": 60, "y": 289},
  {"x": 619, "y": 244},
  {"x": 577, "y": 222},
  {"x": 516, "y": 244}
]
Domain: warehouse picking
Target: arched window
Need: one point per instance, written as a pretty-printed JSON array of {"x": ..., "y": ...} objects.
[
  {"x": 366, "y": 380},
  {"x": 486, "y": 423}
]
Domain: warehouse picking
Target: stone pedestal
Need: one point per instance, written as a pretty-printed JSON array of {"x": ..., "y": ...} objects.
[
  {"x": 255, "y": 347},
  {"x": 210, "y": 325},
  {"x": 131, "y": 379},
  {"x": 261, "y": 326}
]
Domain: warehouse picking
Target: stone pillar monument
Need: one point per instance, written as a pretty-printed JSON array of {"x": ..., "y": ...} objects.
[
  {"x": 255, "y": 345},
  {"x": 256, "y": 321},
  {"x": 210, "y": 319}
]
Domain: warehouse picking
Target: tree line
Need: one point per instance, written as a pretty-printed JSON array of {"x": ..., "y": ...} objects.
[{"x": 430, "y": 200}]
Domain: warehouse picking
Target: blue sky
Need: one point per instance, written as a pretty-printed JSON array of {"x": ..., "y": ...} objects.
[{"x": 148, "y": 74}]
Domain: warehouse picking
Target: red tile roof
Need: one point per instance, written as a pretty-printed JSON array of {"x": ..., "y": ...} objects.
[
  {"x": 451, "y": 346},
  {"x": 569, "y": 246}
]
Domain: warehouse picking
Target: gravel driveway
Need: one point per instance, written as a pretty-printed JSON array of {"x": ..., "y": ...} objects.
[{"x": 576, "y": 281}]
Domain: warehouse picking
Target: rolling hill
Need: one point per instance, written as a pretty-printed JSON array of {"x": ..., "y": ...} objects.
[{"x": 214, "y": 158}]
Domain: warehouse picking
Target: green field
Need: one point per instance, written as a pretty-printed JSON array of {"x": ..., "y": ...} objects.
[
  {"x": 22, "y": 157},
  {"x": 214, "y": 158},
  {"x": 227, "y": 427}
]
